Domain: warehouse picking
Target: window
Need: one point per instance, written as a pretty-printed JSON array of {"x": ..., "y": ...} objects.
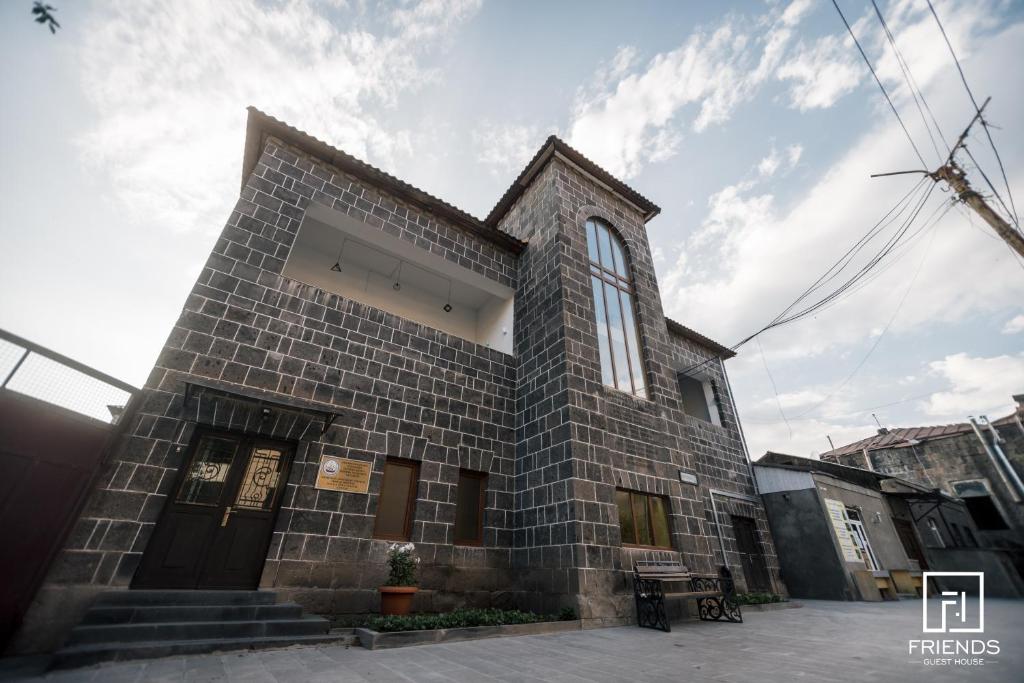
[
  {"x": 936, "y": 535},
  {"x": 699, "y": 399},
  {"x": 978, "y": 498},
  {"x": 954, "y": 531},
  {"x": 859, "y": 536},
  {"x": 643, "y": 519},
  {"x": 617, "y": 338},
  {"x": 396, "y": 501},
  {"x": 469, "y": 508}
]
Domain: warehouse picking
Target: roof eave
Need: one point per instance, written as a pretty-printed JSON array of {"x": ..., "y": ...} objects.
[
  {"x": 552, "y": 147},
  {"x": 723, "y": 351},
  {"x": 260, "y": 125}
]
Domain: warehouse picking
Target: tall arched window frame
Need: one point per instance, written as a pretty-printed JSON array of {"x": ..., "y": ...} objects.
[{"x": 615, "y": 310}]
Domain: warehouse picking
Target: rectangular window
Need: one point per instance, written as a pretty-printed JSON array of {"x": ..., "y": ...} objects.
[
  {"x": 396, "y": 501},
  {"x": 469, "y": 508},
  {"x": 699, "y": 399},
  {"x": 983, "y": 510},
  {"x": 643, "y": 519}
]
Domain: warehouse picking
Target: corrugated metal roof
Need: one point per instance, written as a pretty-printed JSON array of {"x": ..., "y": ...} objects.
[{"x": 900, "y": 436}]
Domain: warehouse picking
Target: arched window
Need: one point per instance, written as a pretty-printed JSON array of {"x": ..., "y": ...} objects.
[{"x": 615, "y": 310}]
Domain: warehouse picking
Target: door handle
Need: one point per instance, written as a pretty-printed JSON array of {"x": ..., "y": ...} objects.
[{"x": 227, "y": 514}]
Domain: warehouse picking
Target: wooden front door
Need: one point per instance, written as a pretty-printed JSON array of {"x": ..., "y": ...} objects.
[
  {"x": 216, "y": 526},
  {"x": 751, "y": 558}
]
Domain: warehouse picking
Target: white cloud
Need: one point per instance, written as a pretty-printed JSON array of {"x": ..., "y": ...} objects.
[
  {"x": 170, "y": 82},
  {"x": 753, "y": 254},
  {"x": 980, "y": 386},
  {"x": 431, "y": 19},
  {"x": 505, "y": 148},
  {"x": 822, "y": 72},
  {"x": 786, "y": 159},
  {"x": 758, "y": 255},
  {"x": 629, "y": 118},
  {"x": 1015, "y": 325}
]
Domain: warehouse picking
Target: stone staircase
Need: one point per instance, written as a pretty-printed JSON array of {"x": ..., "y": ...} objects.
[{"x": 140, "y": 624}]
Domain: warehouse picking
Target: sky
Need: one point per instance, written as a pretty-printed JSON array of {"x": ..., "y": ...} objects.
[{"x": 754, "y": 125}]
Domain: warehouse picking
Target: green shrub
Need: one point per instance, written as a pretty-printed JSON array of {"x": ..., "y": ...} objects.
[
  {"x": 460, "y": 618},
  {"x": 402, "y": 565},
  {"x": 567, "y": 614},
  {"x": 757, "y": 598}
]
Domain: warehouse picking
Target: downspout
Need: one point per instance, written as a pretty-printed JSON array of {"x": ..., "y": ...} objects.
[
  {"x": 739, "y": 426},
  {"x": 998, "y": 458},
  {"x": 718, "y": 528},
  {"x": 714, "y": 511}
]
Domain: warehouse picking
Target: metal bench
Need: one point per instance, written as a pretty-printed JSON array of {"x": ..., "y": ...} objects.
[{"x": 715, "y": 595}]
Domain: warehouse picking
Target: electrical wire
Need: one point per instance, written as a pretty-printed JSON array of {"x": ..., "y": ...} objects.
[
  {"x": 879, "y": 82},
  {"x": 963, "y": 78},
  {"x": 775, "y": 389},
  {"x": 892, "y": 318},
  {"x": 897, "y": 240},
  {"x": 911, "y": 82}
]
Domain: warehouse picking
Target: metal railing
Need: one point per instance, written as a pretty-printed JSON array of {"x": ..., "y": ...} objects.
[{"x": 35, "y": 371}]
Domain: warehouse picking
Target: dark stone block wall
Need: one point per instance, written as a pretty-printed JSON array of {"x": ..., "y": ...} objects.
[
  {"x": 553, "y": 439},
  {"x": 938, "y": 462},
  {"x": 402, "y": 390},
  {"x": 617, "y": 440}
]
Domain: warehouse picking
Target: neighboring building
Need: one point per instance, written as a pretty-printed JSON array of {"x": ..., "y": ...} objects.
[
  {"x": 360, "y": 362},
  {"x": 978, "y": 461},
  {"x": 845, "y": 533}
]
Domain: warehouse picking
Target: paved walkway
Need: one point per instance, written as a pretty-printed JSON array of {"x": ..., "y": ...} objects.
[{"x": 823, "y": 641}]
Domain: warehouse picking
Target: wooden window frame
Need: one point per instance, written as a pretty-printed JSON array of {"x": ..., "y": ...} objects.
[
  {"x": 481, "y": 507},
  {"x": 650, "y": 519},
  {"x": 410, "y": 502},
  {"x": 622, "y": 286}
]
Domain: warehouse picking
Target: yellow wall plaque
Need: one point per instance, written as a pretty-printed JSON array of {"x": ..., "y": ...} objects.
[{"x": 343, "y": 474}]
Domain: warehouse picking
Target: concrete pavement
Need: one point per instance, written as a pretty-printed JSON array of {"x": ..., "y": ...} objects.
[{"x": 823, "y": 641}]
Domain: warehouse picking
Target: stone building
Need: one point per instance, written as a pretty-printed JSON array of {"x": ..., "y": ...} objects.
[
  {"x": 847, "y": 533},
  {"x": 360, "y": 362},
  {"x": 978, "y": 461}
]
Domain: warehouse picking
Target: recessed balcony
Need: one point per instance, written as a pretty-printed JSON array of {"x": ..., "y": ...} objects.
[{"x": 345, "y": 256}]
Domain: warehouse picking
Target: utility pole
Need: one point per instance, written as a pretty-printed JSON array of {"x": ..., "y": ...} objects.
[{"x": 954, "y": 176}]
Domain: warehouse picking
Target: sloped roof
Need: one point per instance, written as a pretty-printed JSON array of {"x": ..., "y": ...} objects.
[
  {"x": 900, "y": 436},
  {"x": 854, "y": 475},
  {"x": 698, "y": 338},
  {"x": 259, "y": 125},
  {"x": 556, "y": 146}
]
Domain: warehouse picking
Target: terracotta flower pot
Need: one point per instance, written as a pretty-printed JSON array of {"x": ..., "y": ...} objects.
[{"x": 396, "y": 600}]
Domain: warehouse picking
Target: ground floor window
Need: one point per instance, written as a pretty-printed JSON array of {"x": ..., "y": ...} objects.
[
  {"x": 643, "y": 519},
  {"x": 396, "y": 501},
  {"x": 469, "y": 508}
]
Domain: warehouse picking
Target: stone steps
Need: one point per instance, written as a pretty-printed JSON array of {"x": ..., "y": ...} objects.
[
  {"x": 124, "y": 625},
  {"x": 149, "y": 614},
  {"x": 85, "y": 655}
]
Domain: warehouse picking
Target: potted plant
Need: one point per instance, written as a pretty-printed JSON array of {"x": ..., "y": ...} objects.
[{"x": 397, "y": 594}]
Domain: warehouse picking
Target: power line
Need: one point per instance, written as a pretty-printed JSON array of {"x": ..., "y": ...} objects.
[
  {"x": 892, "y": 319},
  {"x": 898, "y": 239},
  {"x": 775, "y": 389},
  {"x": 963, "y": 78},
  {"x": 847, "y": 257},
  {"x": 911, "y": 82},
  {"x": 879, "y": 82},
  {"x": 886, "y": 249}
]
